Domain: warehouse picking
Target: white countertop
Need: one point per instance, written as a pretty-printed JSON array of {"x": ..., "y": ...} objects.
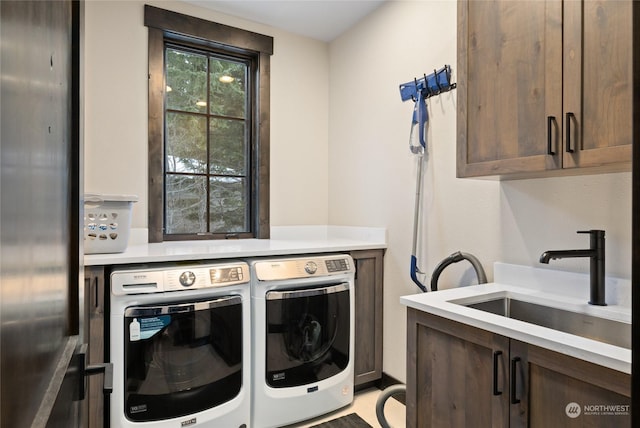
[
  {"x": 284, "y": 241},
  {"x": 556, "y": 291}
]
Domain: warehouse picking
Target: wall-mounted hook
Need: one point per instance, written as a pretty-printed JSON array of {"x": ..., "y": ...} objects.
[
  {"x": 435, "y": 73},
  {"x": 426, "y": 90}
]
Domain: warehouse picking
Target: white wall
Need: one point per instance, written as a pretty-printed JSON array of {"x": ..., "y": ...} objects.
[
  {"x": 372, "y": 172},
  {"x": 339, "y": 149},
  {"x": 116, "y": 110}
]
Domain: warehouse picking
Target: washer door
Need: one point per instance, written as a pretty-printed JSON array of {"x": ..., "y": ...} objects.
[
  {"x": 307, "y": 337},
  {"x": 182, "y": 358}
]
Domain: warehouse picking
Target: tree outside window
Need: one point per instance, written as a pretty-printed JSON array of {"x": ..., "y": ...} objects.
[
  {"x": 208, "y": 129},
  {"x": 206, "y": 144}
]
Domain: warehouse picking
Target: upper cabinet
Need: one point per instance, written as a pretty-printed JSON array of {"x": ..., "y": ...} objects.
[{"x": 544, "y": 87}]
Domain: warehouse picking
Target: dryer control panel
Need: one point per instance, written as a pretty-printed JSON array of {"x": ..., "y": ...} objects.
[
  {"x": 303, "y": 267},
  {"x": 175, "y": 277}
]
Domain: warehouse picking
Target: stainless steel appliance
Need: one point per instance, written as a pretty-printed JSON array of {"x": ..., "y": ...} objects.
[
  {"x": 302, "y": 329},
  {"x": 41, "y": 150},
  {"x": 180, "y": 346}
]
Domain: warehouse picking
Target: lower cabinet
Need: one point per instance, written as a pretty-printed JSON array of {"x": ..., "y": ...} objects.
[
  {"x": 461, "y": 376},
  {"x": 94, "y": 281},
  {"x": 368, "y": 314}
]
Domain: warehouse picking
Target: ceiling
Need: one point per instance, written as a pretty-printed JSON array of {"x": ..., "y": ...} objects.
[{"x": 318, "y": 19}]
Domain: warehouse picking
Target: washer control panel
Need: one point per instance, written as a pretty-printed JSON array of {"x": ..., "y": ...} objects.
[
  {"x": 287, "y": 268},
  {"x": 174, "y": 278}
]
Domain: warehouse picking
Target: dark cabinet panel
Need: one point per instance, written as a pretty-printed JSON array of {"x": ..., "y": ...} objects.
[
  {"x": 368, "y": 314},
  {"x": 94, "y": 311},
  {"x": 456, "y": 375},
  {"x": 556, "y": 382}
]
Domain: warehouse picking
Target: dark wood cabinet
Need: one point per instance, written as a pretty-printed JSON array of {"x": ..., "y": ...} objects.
[
  {"x": 597, "y": 83},
  {"x": 368, "y": 315},
  {"x": 451, "y": 379},
  {"x": 544, "y": 87},
  {"x": 561, "y": 391},
  {"x": 461, "y": 376},
  {"x": 94, "y": 318}
]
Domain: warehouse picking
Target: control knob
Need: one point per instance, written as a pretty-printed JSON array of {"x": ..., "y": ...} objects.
[
  {"x": 310, "y": 268},
  {"x": 187, "y": 278}
]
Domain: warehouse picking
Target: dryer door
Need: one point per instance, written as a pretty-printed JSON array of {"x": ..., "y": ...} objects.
[
  {"x": 307, "y": 334},
  {"x": 182, "y": 358}
]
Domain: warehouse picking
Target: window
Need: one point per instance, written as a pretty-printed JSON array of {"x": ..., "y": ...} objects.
[
  {"x": 207, "y": 147},
  {"x": 208, "y": 129}
]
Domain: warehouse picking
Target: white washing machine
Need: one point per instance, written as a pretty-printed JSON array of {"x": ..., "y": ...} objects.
[
  {"x": 180, "y": 346},
  {"x": 303, "y": 330}
]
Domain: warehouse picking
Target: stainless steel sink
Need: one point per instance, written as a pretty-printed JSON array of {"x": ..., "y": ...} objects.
[{"x": 616, "y": 333}]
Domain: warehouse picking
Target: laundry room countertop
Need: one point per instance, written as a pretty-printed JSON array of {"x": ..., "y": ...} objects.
[{"x": 285, "y": 240}]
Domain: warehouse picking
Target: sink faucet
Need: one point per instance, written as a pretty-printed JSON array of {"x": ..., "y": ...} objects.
[{"x": 596, "y": 255}]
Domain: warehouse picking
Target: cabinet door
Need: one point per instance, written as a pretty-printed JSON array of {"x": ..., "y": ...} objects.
[
  {"x": 598, "y": 83},
  {"x": 562, "y": 391},
  {"x": 368, "y": 313},
  {"x": 509, "y": 86},
  {"x": 456, "y": 374},
  {"x": 94, "y": 336}
]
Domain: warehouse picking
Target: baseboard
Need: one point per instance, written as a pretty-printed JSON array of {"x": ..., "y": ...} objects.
[
  {"x": 387, "y": 380},
  {"x": 384, "y": 382}
]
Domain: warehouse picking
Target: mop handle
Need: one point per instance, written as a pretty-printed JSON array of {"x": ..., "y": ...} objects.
[
  {"x": 416, "y": 208},
  {"x": 419, "y": 120},
  {"x": 416, "y": 218}
]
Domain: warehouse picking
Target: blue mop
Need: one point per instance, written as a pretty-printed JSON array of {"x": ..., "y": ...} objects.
[{"x": 419, "y": 90}]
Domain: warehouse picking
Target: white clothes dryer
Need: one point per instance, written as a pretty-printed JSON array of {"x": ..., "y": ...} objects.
[{"x": 303, "y": 330}]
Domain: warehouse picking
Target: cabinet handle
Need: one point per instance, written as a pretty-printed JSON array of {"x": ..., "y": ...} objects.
[
  {"x": 570, "y": 117},
  {"x": 97, "y": 298},
  {"x": 81, "y": 369},
  {"x": 514, "y": 383},
  {"x": 496, "y": 355},
  {"x": 550, "y": 128}
]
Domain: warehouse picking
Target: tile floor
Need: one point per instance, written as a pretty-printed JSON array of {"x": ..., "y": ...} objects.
[{"x": 364, "y": 404}]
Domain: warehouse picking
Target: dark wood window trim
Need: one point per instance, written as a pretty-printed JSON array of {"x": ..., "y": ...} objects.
[{"x": 164, "y": 24}]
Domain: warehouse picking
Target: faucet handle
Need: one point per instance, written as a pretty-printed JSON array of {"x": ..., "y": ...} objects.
[
  {"x": 593, "y": 232},
  {"x": 597, "y": 237}
]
